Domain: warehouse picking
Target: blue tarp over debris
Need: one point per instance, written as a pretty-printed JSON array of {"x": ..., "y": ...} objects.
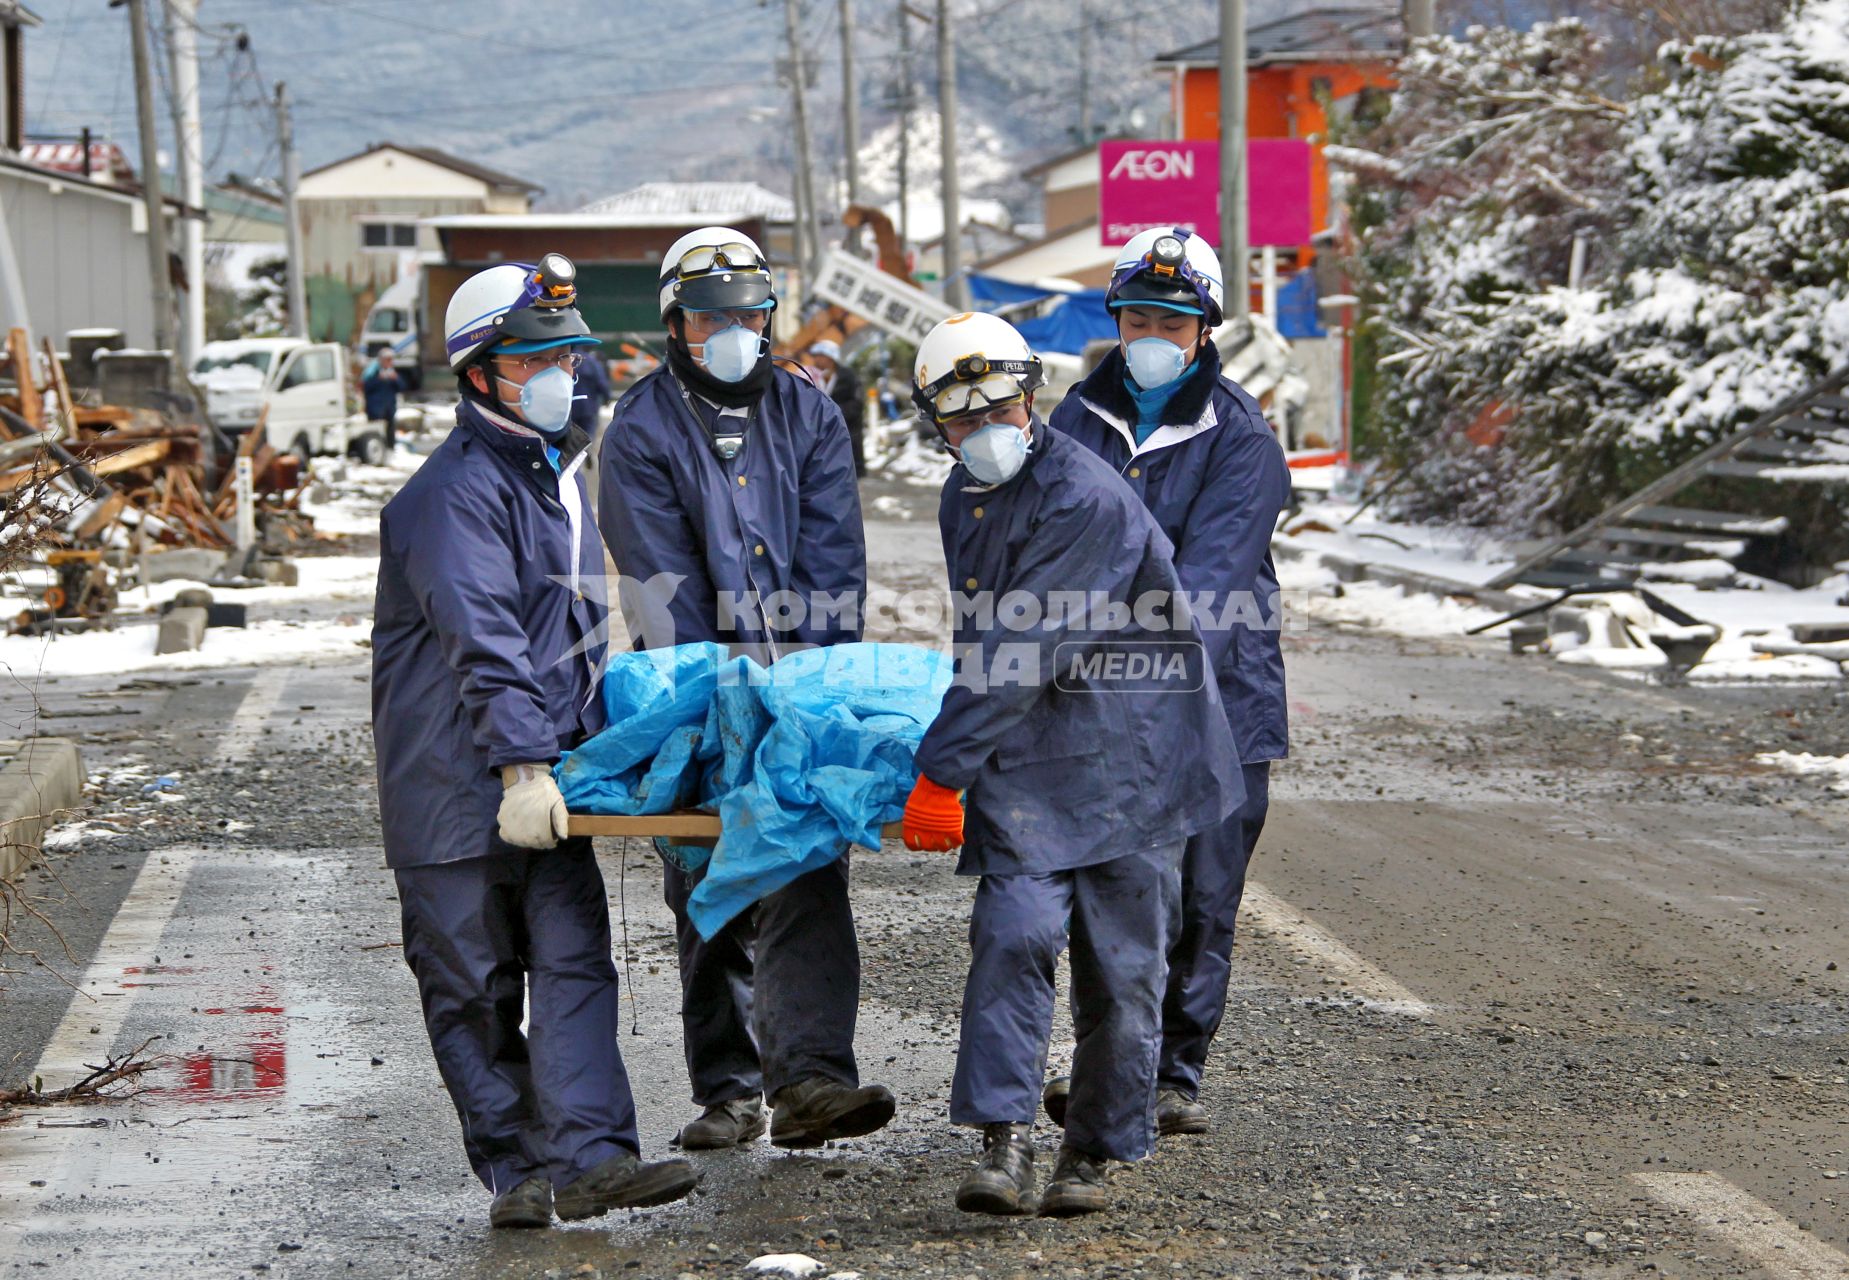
[{"x": 799, "y": 759}]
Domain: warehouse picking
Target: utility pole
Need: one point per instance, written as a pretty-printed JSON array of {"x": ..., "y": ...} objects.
[
  {"x": 1419, "y": 19},
  {"x": 292, "y": 214},
  {"x": 956, "y": 288},
  {"x": 160, "y": 277},
  {"x": 905, "y": 124},
  {"x": 1233, "y": 187},
  {"x": 850, "y": 103},
  {"x": 805, "y": 180},
  {"x": 183, "y": 43},
  {"x": 1084, "y": 73}
]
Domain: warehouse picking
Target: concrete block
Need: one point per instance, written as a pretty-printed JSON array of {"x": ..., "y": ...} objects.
[
  {"x": 197, "y": 563},
  {"x": 182, "y": 631},
  {"x": 192, "y": 598},
  {"x": 282, "y": 573},
  {"x": 43, "y": 777}
]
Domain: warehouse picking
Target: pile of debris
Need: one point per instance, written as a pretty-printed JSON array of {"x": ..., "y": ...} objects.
[{"x": 95, "y": 495}]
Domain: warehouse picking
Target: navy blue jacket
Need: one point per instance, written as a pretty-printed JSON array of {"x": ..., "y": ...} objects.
[
  {"x": 781, "y": 517},
  {"x": 1215, "y": 478},
  {"x": 1077, "y": 766},
  {"x": 381, "y": 395},
  {"x": 591, "y": 392},
  {"x": 483, "y": 653}
]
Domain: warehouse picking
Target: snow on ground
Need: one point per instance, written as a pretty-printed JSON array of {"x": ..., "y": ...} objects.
[
  {"x": 1312, "y": 589},
  {"x": 348, "y": 495},
  {"x": 897, "y": 451},
  {"x": 1835, "y": 768},
  {"x": 131, "y": 648},
  {"x": 1751, "y": 615}
]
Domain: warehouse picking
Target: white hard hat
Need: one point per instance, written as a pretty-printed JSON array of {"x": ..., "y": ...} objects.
[
  {"x": 827, "y": 348},
  {"x": 515, "y": 307},
  {"x": 1169, "y": 267},
  {"x": 715, "y": 269},
  {"x": 970, "y": 362}
]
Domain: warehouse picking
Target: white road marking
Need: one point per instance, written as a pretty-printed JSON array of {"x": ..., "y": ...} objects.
[
  {"x": 132, "y": 942},
  {"x": 246, "y": 725},
  {"x": 1751, "y": 1227},
  {"x": 1278, "y": 919},
  {"x": 29, "y": 1154}
]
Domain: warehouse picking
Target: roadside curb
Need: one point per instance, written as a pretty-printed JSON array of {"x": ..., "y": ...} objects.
[
  {"x": 41, "y": 776},
  {"x": 1347, "y": 569}
]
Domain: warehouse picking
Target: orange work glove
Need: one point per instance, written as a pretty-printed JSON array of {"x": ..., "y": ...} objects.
[{"x": 933, "y": 817}]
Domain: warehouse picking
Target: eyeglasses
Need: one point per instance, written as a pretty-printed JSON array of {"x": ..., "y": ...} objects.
[
  {"x": 569, "y": 361},
  {"x": 706, "y": 257},
  {"x": 714, "y": 321}
]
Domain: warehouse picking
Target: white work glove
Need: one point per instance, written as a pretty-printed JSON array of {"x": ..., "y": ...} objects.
[{"x": 532, "y": 810}]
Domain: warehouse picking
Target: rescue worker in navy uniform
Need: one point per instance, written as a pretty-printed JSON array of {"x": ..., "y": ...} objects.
[
  {"x": 1197, "y": 450},
  {"x": 736, "y": 479},
  {"x": 486, "y": 657},
  {"x": 1082, "y": 786}
]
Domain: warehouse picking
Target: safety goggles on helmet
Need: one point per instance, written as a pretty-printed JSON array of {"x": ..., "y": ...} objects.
[
  {"x": 736, "y": 256},
  {"x": 972, "y": 384}
]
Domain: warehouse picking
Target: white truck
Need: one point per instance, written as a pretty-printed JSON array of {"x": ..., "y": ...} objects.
[
  {"x": 392, "y": 324},
  {"x": 305, "y": 387}
]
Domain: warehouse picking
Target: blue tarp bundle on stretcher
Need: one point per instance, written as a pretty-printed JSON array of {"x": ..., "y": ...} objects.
[{"x": 799, "y": 759}]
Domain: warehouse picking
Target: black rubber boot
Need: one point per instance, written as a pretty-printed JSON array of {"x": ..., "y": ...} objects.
[
  {"x": 1003, "y": 1180},
  {"x": 817, "y": 1110},
  {"x": 726, "y": 1124},
  {"x": 526, "y": 1206},
  {"x": 1077, "y": 1186},
  {"x": 1176, "y": 1113},
  {"x": 624, "y": 1182},
  {"x": 1053, "y": 1098}
]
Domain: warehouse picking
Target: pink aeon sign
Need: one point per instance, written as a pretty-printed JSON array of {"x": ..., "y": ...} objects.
[{"x": 1157, "y": 183}]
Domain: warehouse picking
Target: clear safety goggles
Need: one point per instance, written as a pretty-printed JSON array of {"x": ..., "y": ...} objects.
[
  {"x": 706, "y": 257},
  {"x": 961, "y": 392},
  {"x": 755, "y": 318}
]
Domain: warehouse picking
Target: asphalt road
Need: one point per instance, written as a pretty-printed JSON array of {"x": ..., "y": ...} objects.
[{"x": 1542, "y": 975}]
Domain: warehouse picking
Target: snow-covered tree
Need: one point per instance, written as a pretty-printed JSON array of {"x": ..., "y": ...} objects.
[{"x": 1716, "y": 230}]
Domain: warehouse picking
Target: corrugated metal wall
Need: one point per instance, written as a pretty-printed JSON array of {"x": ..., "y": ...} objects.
[{"x": 82, "y": 262}]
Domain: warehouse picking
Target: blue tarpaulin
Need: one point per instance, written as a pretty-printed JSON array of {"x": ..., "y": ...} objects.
[
  {"x": 799, "y": 759},
  {"x": 1079, "y": 319},
  {"x": 994, "y": 291}
]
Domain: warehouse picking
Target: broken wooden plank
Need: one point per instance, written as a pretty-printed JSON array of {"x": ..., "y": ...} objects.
[
  {"x": 103, "y": 516},
  {"x": 142, "y": 455},
  {"x": 1745, "y": 526},
  {"x": 31, "y": 401}
]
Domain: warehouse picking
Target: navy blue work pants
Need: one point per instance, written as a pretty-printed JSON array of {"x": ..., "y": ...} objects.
[
  {"x": 488, "y": 939},
  {"x": 1122, "y": 914},
  {"x": 1213, "y": 879},
  {"x": 771, "y": 999}
]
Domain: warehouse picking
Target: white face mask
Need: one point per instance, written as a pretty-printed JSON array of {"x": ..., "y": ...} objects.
[
  {"x": 545, "y": 399},
  {"x": 994, "y": 453},
  {"x": 732, "y": 353},
  {"x": 1155, "y": 362}
]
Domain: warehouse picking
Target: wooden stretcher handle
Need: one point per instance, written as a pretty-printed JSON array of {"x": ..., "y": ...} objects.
[{"x": 686, "y": 828}]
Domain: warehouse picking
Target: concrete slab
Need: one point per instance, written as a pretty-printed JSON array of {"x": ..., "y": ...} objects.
[{"x": 41, "y": 777}]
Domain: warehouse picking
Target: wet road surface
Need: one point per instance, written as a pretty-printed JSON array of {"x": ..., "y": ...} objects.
[{"x": 1542, "y": 975}]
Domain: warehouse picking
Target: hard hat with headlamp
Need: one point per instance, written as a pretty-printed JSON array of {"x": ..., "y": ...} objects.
[
  {"x": 971, "y": 363},
  {"x": 515, "y": 309},
  {"x": 1171, "y": 268}
]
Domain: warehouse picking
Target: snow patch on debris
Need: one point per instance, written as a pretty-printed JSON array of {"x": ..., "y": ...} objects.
[
  {"x": 1835, "y": 768},
  {"x": 132, "y": 648},
  {"x": 74, "y": 835},
  {"x": 797, "y": 1266},
  {"x": 1310, "y": 589}
]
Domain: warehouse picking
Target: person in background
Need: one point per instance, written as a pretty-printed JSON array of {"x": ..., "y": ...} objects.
[
  {"x": 381, "y": 387},
  {"x": 842, "y": 385}
]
